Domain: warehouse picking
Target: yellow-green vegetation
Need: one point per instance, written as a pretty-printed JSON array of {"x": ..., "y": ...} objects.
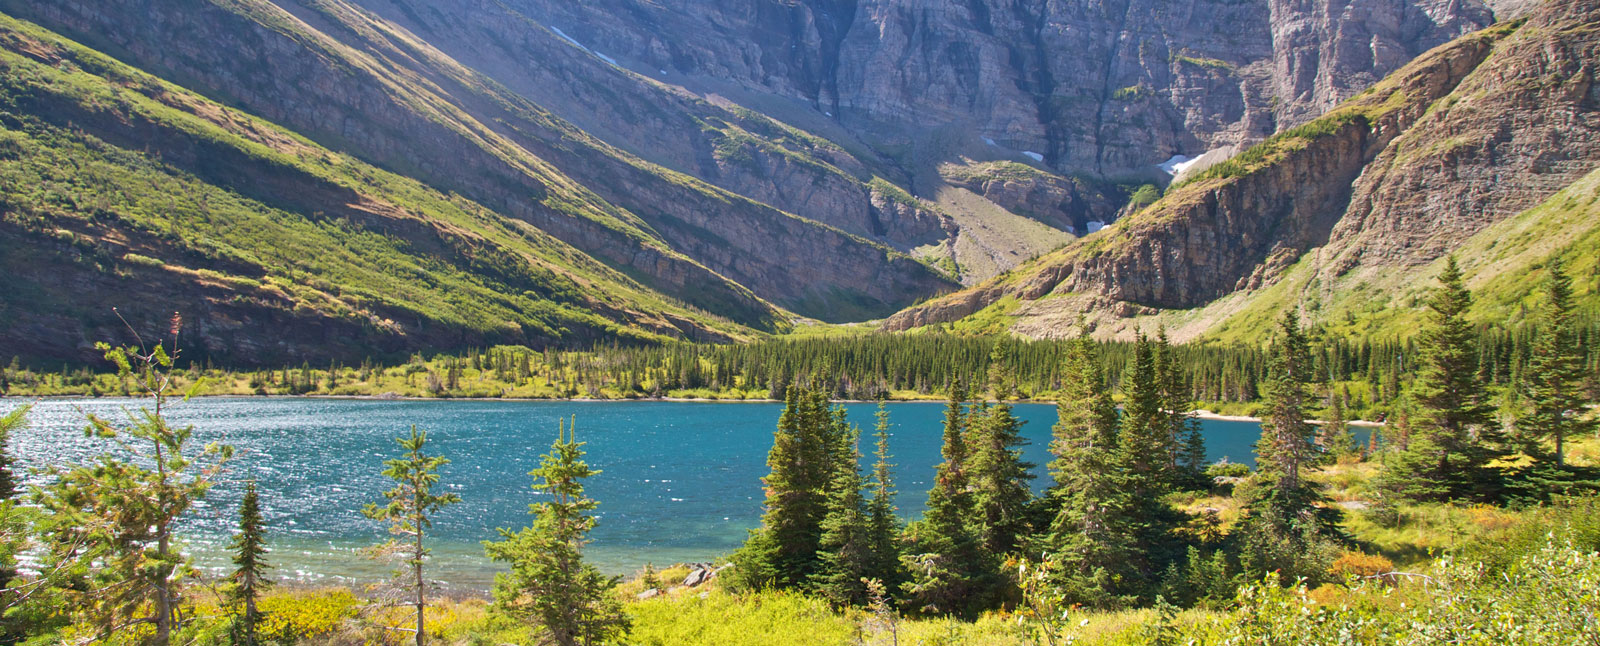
[{"x": 396, "y": 252}]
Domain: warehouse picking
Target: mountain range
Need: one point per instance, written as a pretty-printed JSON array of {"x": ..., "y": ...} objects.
[{"x": 337, "y": 179}]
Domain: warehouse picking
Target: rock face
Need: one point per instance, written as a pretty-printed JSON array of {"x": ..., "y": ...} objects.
[
  {"x": 353, "y": 81},
  {"x": 1100, "y": 87},
  {"x": 1467, "y": 135}
]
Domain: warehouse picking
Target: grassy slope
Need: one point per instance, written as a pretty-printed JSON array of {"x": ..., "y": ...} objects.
[
  {"x": 381, "y": 248},
  {"x": 1504, "y": 266}
]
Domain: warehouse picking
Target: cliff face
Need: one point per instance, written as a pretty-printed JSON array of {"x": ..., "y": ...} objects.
[
  {"x": 358, "y": 83},
  {"x": 1100, "y": 87},
  {"x": 1464, "y": 137}
]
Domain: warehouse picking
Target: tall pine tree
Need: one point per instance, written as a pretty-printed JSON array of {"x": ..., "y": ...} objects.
[
  {"x": 1286, "y": 527},
  {"x": 950, "y": 572},
  {"x": 409, "y": 513},
  {"x": 1090, "y": 537},
  {"x": 845, "y": 550},
  {"x": 883, "y": 524},
  {"x": 1554, "y": 380},
  {"x": 1452, "y": 441},
  {"x": 250, "y": 568},
  {"x": 782, "y": 553},
  {"x": 999, "y": 476}
]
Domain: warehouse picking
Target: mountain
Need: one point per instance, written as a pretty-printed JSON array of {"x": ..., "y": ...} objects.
[
  {"x": 1493, "y": 133},
  {"x": 415, "y": 176}
]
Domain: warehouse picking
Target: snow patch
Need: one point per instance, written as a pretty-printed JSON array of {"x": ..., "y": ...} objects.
[
  {"x": 579, "y": 45},
  {"x": 989, "y": 141},
  {"x": 1034, "y": 156},
  {"x": 1179, "y": 163},
  {"x": 1095, "y": 225}
]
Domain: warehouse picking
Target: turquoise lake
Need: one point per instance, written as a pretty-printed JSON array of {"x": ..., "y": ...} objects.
[{"x": 680, "y": 482}]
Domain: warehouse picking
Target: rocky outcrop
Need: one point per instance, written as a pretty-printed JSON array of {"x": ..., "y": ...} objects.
[
  {"x": 1236, "y": 225},
  {"x": 1103, "y": 88},
  {"x": 1468, "y": 135},
  {"x": 355, "y": 82},
  {"x": 1068, "y": 204}
]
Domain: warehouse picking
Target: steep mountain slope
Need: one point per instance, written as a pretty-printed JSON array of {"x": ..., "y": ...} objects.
[
  {"x": 1466, "y": 136},
  {"x": 126, "y": 198},
  {"x": 350, "y": 80}
]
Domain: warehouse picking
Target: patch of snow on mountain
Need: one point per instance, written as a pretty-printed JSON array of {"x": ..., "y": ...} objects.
[
  {"x": 1095, "y": 225},
  {"x": 1034, "y": 156}
]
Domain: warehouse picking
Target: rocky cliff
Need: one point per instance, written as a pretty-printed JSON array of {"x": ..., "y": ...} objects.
[{"x": 1469, "y": 134}]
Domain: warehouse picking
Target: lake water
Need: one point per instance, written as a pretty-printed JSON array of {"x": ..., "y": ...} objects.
[{"x": 680, "y": 482}]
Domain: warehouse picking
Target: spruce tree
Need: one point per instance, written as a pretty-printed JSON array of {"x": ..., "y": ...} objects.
[
  {"x": 549, "y": 582},
  {"x": 1285, "y": 526},
  {"x": 1187, "y": 442},
  {"x": 1144, "y": 444},
  {"x": 845, "y": 550},
  {"x": 1553, "y": 383},
  {"x": 950, "y": 572},
  {"x": 1090, "y": 536},
  {"x": 249, "y": 574},
  {"x": 1452, "y": 442},
  {"x": 883, "y": 524},
  {"x": 782, "y": 553},
  {"x": 409, "y": 513},
  {"x": 999, "y": 476}
]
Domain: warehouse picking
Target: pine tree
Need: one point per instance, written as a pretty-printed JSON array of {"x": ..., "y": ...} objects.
[
  {"x": 549, "y": 582},
  {"x": 883, "y": 524},
  {"x": 1187, "y": 442},
  {"x": 409, "y": 512},
  {"x": 1285, "y": 527},
  {"x": 112, "y": 522},
  {"x": 845, "y": 548},
  {"x": 1452, "y": 442},
  {"x": 998, "y": 475},
  {"x": 1336, "y": 438},
  {"x": 13, "y": 524},
  {"x": 1089, "y": 537},
  {"x": 1146, "y": 434},
  {"x": 1554, "y": 380},
  {"x": 782, "y": 553},
  {"x": 249, "y": 574},
  {"x": 950, "y": 572}
]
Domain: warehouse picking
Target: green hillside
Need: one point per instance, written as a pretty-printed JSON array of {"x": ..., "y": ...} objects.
[{"x": 124, "y": 191}]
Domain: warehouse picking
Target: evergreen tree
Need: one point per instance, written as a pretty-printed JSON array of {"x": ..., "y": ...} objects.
[
  {"x": 1452, "y": 441},
  {"x": 1336, "y": 438},
  {"x": 549, "y": 581},
  {"x": 845, "y": 549},
  {"x": 411, "y": 505},
  {"x": 1285, "y": 526},
  {"x": 883, "y": 524},
  {"x": 249, "y": 574},
  {"x": 14, "y": 525},
  {"x": 1089, "y": 538},
  {"x": 1187, "y": 442},
  {"x": 111, "y": 527},
  {"x": 950, "y": 572},
  {"x": 782, "y": 553},
  {"x": 1554, "y": 380},
  {"x": 998, "y": 475},
  {"x": 1146, "y": 434}
]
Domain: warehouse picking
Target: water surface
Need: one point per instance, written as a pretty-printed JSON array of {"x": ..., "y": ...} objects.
[{"x": 680, "y": 481}]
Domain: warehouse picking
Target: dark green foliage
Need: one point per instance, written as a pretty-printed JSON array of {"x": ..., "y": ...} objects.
[
  {"x": 1453, "y": 441},
  {"x": 845, "y": 551},
  {"x": 409, "y": 512},
  {"x": 883, "y": 524},
  {"x": 14, "y": 526},
  {"x": 999, "y": 476},
  {"x": 549, "y": 582},
  {"x": 1287, "y": 525},
  {"x": 1553, "y": 383},
  {"x": 250, "y": 568},
  {"x": 1089, "y": 538},
  {"x": 782, "y": 553},
  {"x": 950, "y": 572}
]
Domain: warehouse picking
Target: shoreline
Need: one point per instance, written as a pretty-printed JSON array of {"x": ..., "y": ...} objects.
[{"x": 1199, "y": 413}]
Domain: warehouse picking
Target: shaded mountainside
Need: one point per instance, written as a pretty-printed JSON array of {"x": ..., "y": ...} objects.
[
  {"x": 125, "y": 196},
  {"x": 350, "y": 80},
  {"x": 1337, "y": 216}
]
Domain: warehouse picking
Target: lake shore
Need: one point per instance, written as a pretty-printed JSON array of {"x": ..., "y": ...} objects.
[{"x": 1199, "y": 413}]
